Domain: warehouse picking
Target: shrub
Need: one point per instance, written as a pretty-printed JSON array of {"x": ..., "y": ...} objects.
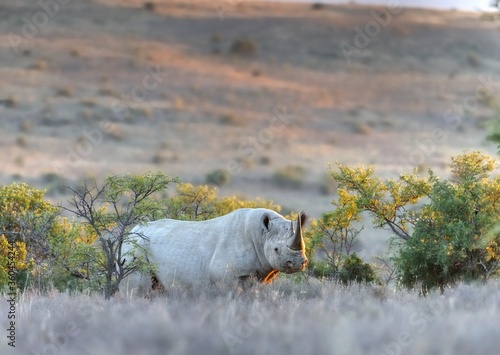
[
  {"x": 49, "y": 251},
  {"x": 219, "y": 177},
  {"x": 317, "y": 6},
  {"x": 336, "y": 236},
  {"x": 12, "y": 256},
  {"x": 11, "y": 101},
  {"x": 66, "y": 91},
  {"x": 150, "y": 6},
  {"x": 473, "y": 60},
  {"x": 110, "y": 210},
  {"x": 448, "y": 236},
  {"x": 22, "y": 141},
  {"x": 452, "y": 238},
  {"x": 202, "y": 202},
  {"x": 232, "y": 119},
  {"x": 74, "y": 259},
  {"x": 355, "y": 270},
  {"x": 243, "y": 47},
  {"x": 321, "y": 269},
  {"x": 290, "y": 176},
  {"x": 26, "y": 126},
  {"x": 25, "y": 217}
]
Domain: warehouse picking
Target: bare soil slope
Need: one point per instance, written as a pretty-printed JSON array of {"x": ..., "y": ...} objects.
[{"x": 110, "y": 87}]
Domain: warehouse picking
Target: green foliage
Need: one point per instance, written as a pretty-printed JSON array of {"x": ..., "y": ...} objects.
[
  {"x": 25, "y": 221},
  {"x": 452, "y": 238},
  {"x": 219, "y": 177},
  {"x": 49, "y": 250},
  {"x": 386, "y": 201},
  {"x": 111, "y": 210},
  {"x": 495, "y": 129},
  {"x": 355, "y": 270},
  {"x": 335, "y": 235},
  {"x": 350, "y": 268},
  {"x": 444, "y": 239},
  {"x": 243, "y": 47},
  {"x": 321, "y": 269},
  {"x": 78, "y": 255},
  {"x": 202, "y": 202},
  {"x": 25, "y": 217},
  {"x": 12, "y": 257},
  {"x": 73, "y": 261}
]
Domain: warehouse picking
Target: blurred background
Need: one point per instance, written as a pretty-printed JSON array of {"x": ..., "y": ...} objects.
[{"x": 257, "y": 98}]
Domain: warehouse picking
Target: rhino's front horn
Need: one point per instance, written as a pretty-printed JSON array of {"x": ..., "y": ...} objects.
[{"x": 298, "y": 242}]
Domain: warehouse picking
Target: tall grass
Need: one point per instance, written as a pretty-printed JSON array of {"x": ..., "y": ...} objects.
[{"x": 282, "y": 318}]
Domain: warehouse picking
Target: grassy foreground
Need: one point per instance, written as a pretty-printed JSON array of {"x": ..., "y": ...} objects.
[{"x": 283, "y": 318}]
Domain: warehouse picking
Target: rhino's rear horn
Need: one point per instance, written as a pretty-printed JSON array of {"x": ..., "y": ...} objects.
[{"x": 298, "y": 241}]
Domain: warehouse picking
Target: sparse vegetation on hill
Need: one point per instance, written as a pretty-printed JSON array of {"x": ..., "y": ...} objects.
[
  {"x": 291, "y": 176},
  {"x": 243, "y": 46},
  {"x": 95, "y": 94}
]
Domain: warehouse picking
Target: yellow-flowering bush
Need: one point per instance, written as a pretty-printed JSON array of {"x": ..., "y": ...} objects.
[
  {"x": 449, "y": 237},
  {"x": 12, "y": 258},
  {"x": 202, "y": 202},
  {"x": 25, "y": 221}
]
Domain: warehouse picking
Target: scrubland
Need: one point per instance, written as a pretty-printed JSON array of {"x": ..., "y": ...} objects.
[
  {"x": 420, "y": 92},
  {"x": 73, "y": 103}
]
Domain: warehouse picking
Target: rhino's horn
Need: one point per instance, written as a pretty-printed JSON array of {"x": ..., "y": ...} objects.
[{"x": 298, "y": 241}]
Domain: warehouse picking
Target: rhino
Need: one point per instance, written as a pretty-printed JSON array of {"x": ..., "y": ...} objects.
[{"x": 247, "y": 243}]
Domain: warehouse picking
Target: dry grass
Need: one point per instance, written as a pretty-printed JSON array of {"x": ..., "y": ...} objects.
[{"x": 282, "y": 318}]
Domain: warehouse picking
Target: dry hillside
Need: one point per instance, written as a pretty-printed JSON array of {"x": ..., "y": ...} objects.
[{"x": 188, "y": 87}]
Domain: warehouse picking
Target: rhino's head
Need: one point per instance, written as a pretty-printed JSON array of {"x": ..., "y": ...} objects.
[{"x": 284, "y": 246}]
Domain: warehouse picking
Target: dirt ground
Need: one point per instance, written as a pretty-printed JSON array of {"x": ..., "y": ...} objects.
[{"x": 100, "y": 87}]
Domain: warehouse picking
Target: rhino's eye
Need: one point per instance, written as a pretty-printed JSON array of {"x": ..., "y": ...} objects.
[{"x": 277, "y": 250}]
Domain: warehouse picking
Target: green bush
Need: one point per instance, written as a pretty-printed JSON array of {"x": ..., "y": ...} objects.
[
  {"x": 50, "y": 251},
  {"x": 201, "y": 202},
  {"x": 74, "y": 258},
  {"x": 26, "y": 218},
  {"x": 321, "y": 269},
  {"x": 335, "y": 236},
  {"x": 445, "y": 227},
  {"x": 219, "y": 177},
  {"x": 355, "y": 270},
  {"x": 110, "y": 210},
  {"x": 452, "y": 238}
]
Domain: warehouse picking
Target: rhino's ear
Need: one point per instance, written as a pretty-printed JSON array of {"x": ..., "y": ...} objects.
[{"x": 265, "y": 221}]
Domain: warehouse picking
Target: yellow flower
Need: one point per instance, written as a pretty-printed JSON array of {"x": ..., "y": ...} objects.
[{"x": 490, "y": 253}]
